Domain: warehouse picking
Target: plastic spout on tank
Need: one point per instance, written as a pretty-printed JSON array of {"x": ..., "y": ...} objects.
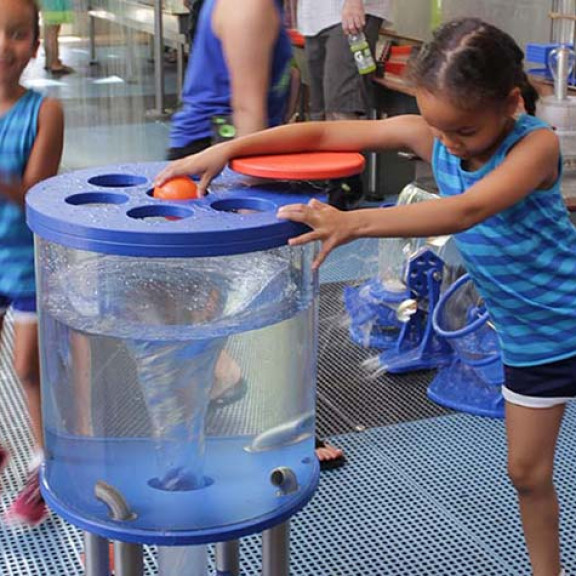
[
  {"x": 117, "y": 505},
  {"x": 284, "y": 434},
  {"x": 284, "y": 479},
  {"x": 561, "y": 63}
]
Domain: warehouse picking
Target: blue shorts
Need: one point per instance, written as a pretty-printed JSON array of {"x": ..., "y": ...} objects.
[
  {"x": 23, "y": 307},
  {"x": 541, "y": 386}
]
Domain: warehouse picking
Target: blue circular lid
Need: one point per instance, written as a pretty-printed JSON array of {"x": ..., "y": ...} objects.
[{"x": 111, "y": 210}]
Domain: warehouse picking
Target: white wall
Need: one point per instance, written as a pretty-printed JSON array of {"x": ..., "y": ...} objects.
[{"x": 525, "y": 20}]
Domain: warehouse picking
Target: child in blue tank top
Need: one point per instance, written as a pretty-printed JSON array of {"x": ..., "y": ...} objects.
[
  {"x": 499, "y": 178},
  {"x": 31, "y": 140}
]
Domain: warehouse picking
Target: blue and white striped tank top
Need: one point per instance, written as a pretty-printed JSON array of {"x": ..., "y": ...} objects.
[
  {"x": 523, "y": 260},
  {"x": 18, "y": 129}
]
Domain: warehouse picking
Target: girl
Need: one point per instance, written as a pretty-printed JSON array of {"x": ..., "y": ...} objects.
[
  {"x": 499, "y": 178},
  {"x": 31, "y": 138}
]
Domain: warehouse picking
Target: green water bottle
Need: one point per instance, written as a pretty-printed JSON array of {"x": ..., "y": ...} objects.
[{"x": 361, "y": 52}]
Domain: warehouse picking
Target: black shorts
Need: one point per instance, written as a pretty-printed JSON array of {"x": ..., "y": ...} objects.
[
  {"x": 192, "y": 148},
  {"x": 541, "y": 386}
]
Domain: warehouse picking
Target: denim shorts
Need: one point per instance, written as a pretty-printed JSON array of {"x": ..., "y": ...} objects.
[
  {"x": 23, "y": 307},
  {"x": 541, "y": 386}
]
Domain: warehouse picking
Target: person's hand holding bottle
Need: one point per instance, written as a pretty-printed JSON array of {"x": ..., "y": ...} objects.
[{"x": 353, "y": 16}]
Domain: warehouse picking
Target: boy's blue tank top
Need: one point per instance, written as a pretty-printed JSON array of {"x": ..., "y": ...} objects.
[
  {"x": 18, "y": 129},
  {"x": 523, "y": 260},
  {"x": 206, "y": 91}
]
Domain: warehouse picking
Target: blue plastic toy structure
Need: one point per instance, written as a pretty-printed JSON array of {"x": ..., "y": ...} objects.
[
  {"x": 472, "y": 381},
  {"x": 392, "y": 312}
]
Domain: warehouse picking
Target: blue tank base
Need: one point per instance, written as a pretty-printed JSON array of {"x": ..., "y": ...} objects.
[
  {"x": 214, "y": 513},
  {"x": 459, "y": 387}
]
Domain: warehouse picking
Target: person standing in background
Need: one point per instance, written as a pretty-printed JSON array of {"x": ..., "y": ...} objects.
[
  {"x": 54, "y": 14},
  {"x": 238, "y": 72},
  {"x": 337, "y": 90},
  {"x": 239, "y": 75}
]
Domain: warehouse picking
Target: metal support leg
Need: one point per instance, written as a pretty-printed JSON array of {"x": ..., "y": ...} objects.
[
  {"x": 92, "y": 35},
  {"x": 130, "y": 57},
  {"x": 276, "y": 551},
  {"x": 96, "y": 555},
  {"x": 372, "y": 158},
  {"x": 159, "y": 110},
  {"x": 228, "y": 558},
  {"x": 180, "y": 68},
  {"x": 128, "y": 559}
]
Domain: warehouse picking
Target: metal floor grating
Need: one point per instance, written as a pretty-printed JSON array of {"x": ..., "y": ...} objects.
[{"x": 424, "y": 491}]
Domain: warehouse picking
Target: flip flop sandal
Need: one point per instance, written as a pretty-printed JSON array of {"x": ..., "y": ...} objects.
[
  {"x": 61, "y": 71},
  {"x": 333, "y": 463}
]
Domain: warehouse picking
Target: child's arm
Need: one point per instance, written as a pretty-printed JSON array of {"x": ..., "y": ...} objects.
[
  {"x": 399, "y": 132},
  {"x": 531, "y": 165},
  {"x": 46, "y": 152}
]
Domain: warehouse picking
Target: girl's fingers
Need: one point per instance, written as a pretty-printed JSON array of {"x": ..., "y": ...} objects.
[
  {"x": 294, "y": 212},
  {"x": 303, "y": 239},
  {"x": 319, "y": 260},
  {"x": 173, "y": 169},
  {"x": 204, "y": 182},
  {"x": 161, "y": 177}
]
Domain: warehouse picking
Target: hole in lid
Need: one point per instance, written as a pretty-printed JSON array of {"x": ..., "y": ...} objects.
[
  {"x": 96, "y": 199},
  {"x": 117, "y": 180},
  {"x": 160, "y": 213},
  {"x": 244, "y": 205}
]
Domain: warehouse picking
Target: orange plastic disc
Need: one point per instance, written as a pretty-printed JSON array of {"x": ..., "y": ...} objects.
[
  {"x": 301, "y": 166},
  {"x": 178, "y": 188}
]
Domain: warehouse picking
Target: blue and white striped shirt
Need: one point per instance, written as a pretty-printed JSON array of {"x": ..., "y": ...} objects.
[
  {"x": 18, "y": 129},
  {"x": 522, "y": 260}
]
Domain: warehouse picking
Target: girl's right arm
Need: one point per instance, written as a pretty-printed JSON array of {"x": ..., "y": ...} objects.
[
  {"x": 46, "y": 153},
  {"x": 400, "y": 132}
]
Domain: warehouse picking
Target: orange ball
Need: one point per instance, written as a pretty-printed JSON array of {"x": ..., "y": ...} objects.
[{"x": 178, "y": 188}]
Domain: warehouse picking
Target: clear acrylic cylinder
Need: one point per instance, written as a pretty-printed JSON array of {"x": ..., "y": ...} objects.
[{"x": 178, "y": 388}]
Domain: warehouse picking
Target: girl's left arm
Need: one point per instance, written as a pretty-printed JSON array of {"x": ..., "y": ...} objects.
[
  {"x": 46, "y": 152},
  {"x": 532, "y": 164}
]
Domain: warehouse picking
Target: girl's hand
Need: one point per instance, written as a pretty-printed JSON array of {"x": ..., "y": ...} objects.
[
  {"x": 329, "y": 225},
  {"x": 207, "y": 164}
]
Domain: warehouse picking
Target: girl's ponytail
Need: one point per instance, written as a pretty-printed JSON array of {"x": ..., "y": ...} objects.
[{"x": 529, "y": 95}]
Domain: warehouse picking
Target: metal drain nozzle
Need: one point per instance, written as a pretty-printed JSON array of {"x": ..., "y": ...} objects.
[
  {"x": 117, "y": 505},
  {"x": 284, "y": 479}
]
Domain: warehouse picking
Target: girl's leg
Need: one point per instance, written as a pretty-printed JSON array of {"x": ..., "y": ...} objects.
[
  {"x": 532, "y": 435},
  {"x": 3, "y": 451},
  {"x": 27, "y": 368},
  {"x": 29, "y": 507}
]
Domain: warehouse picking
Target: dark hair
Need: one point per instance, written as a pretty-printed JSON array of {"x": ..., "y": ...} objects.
[
  {"x": 33, "y": 5},
  {"x": 472, "y": 61}
]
